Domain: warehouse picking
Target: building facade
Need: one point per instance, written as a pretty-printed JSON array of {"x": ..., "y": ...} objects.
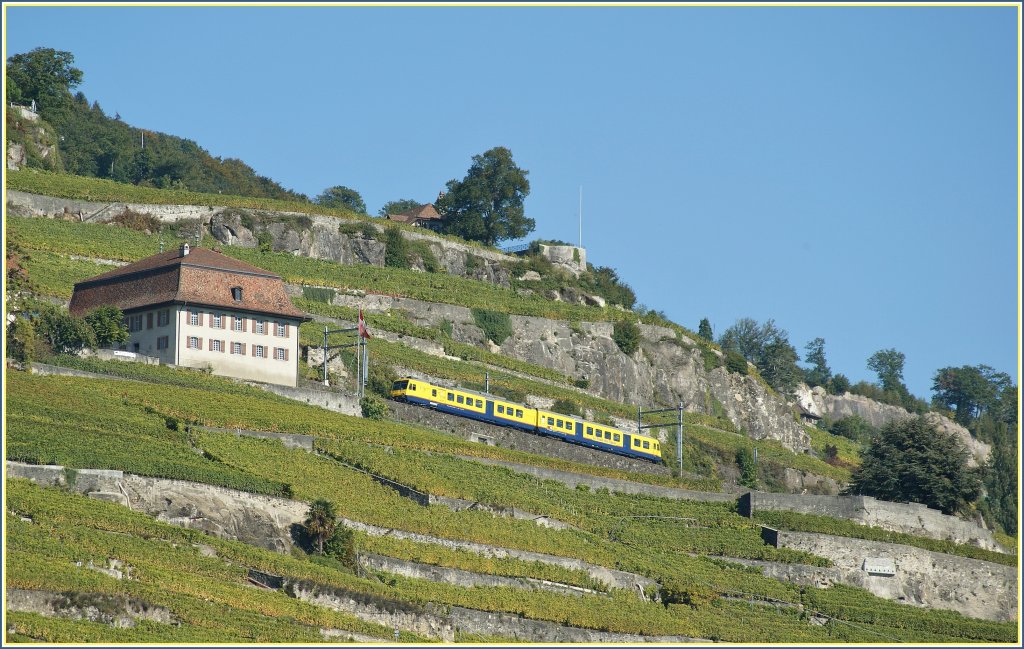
[{"x": 199, "y": 308}]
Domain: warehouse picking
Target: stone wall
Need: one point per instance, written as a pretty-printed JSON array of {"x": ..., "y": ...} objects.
[
  {"x": 908, "y": 518},
  {"x": 119, "y": 611},
  {"x": 346, "y": 404},
  {"x": 974, "y": 588}
]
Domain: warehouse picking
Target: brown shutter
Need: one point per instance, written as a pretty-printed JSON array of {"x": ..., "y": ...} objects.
[
  {"x": 245, "y": 325},
  {"x": 211, "y": 344},
  {"x": 200, "y": 346},
  {"x": 254, "y": 351},
  {"x": 266, "y": 327},
  {"x": 201, "y": 318},
  {"x": 287, "y": 331},
  {"x": 243, "y": 349},
  {"x": 286, "y": 353}
]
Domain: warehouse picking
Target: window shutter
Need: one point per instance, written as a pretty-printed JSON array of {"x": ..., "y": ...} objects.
[
  {"x": 200, "y": 343},
  {"x": 287, "y": 332},
  {"x": 286, "y": 353},
  {"x": 245, "y": 325},
  {"x": 254, "y": 351},
  {"x": 243, "y": 349},
  {"x": 223, "y": 346},
  {"x": 211, "y": 344},
  {"x": 266, "y": 327},
  {"x": 200, "y": 318}
]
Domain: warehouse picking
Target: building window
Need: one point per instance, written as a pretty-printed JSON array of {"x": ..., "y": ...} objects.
[
  {"x": 236, "y": 293},
  {"x": 238, "y": 323},
  {"x": 161, "y": 342},
  {"x": 163, "y": 317},
  {"x": 216, "y": 321},
  {"x": 237, "y": 348},
  {"x": 193, "y": 342},
  {"x": 194, "y": 318},
  {"x": 216, "y": 346},
  {"x": 259, "y": 351},
  {"x": 135, "y": 323},
  {"x": 149, "y": 320},
  {"x": 280, "y": 354},
  {"x": 260, "y": 326},
  {"x": 282, "y": 330}
]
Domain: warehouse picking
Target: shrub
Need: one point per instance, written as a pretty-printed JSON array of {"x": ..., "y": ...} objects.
[
  {"x": 566, "y": 407},
  {"x": 318, "y": 294},
  {"x": 396, "y": 250},
  {"x": 140, "y": 222},
  {"x": 380, "y": 378},
  {"x": 21, "y": 341},
  {"x": 342, "y": 546},
  {"x": 373, "y": 407},
  {"x": 64, "y": 333},
  {"x": 734, "y": 362},
  {"x": 711, "y": 359},
  {"x": 748, "y": 467},
  {"x": 496, "y": 326},
  {"x": 626, "y": 335}
]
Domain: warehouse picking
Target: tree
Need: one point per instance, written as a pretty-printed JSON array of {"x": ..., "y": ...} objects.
[
  {"x": 487, "y": 205},
  {"x": 819, "y": 372},
  {"x": 396, "y": 248},
  {"x": 778, "y": 365},
  {"x": 400, "y": 206},
  {"x": 838, "y": 384},
  {"x": 45, "y": 75},
  {"x": 911, "y": 460},
  {"x": 888, "y": 364},
  {"x": 320, "y": 522},
  {"x": 107, "y": 324},
  {"x": 341, "y": 196},
  {"x": 969, "y": 390},
  {"x": 626, "y": 335},
  {"x": 704, "y": 330},
  {"x": 63, "y": 332}
]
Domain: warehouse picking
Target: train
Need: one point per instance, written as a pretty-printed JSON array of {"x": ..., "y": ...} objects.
[{"x": 502, "y": 412}]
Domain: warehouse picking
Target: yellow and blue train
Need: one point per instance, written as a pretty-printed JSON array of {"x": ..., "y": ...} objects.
[{"x": 494, "y": 410}]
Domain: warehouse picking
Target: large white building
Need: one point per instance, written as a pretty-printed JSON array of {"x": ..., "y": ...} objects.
[{"x": 199, "y": 308}]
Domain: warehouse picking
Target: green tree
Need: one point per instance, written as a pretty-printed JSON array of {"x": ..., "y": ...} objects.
[
  {"x": 626, "y": 335},
  {"x": 1001, "y": 483},
  {"x": 341, "y": 196},
  {"x": 734, "y": 362},
  {"x": 704, "y": 330},
  {"x": 750, "y": 338},
  {"x": 853, "y": 427},
  {"x": 342, "y": 546},
  {"x": 21, "y": 341},
  {"x": 778, "y": 365},
  {"x": 838, "y": 384},
  {"x": 63, "y": 332},
  {"x": 45, "y": 75},
  {"x": 748, "y": 467},
  {"x": 819, "y": 372},
  {"x": 969, "y": 390},
  {"x": 911, "y": 460},
  {"x": 487, "y": 205},
  {"x": 398, "y": 207},
  {"x": 320, "y": 522},
  {"x": 396, "y": 248},
  {"x": 888, "y": 365},
  {"x": 108, "y": 325}
]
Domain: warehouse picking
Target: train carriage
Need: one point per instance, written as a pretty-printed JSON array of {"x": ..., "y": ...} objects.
[{"x": 488, "y": 408}]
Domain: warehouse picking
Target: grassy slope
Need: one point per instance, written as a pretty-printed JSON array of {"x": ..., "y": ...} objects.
[{"x": 143, "y": 411}]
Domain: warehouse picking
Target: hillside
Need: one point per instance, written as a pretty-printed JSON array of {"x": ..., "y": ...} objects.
[{"x": 191, "y": 531}]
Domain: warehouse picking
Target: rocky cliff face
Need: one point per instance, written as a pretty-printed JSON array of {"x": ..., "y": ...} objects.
[
  {"x": 819, "y": 403},
  {"x": 665, "y": 370}
]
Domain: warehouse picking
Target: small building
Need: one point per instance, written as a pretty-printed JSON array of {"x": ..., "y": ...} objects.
[
  {"x": 424, "y": 216},
  {"x": 199, "y": 308}
]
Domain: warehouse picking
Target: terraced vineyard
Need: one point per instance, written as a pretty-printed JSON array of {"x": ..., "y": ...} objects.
[{"x": 167, "y": 584}]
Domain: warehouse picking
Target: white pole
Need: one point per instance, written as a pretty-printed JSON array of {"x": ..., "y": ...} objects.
[{"x": 581, "y": 216}]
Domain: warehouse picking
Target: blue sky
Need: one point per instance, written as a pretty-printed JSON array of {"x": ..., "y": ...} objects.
[{"x": 850, "y": 172}]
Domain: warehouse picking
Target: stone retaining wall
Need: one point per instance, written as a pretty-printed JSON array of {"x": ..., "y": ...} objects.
[{"x": 909, "y": 518}]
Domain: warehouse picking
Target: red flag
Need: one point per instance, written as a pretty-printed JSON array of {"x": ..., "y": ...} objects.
[{"x": 362, "y": 326}]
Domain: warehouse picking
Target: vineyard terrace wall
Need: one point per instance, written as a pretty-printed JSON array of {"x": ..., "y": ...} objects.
[{"x": 908, "y": 518}]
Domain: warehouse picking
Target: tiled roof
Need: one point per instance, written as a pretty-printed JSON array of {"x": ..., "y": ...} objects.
[
  {"x": 202, "y": 277},
  {"x": 422, "y": 213}
]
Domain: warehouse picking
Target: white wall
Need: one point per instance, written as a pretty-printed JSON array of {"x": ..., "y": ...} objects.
[{"x": 247, "y": 365}]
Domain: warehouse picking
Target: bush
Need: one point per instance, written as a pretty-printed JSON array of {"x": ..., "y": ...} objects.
[
  {"x": 21, "y": 341},
  {"x": 711, "y": 359},
  {"x": 64, "y": 333},
  {"x": 496, "y": 326},
  {"x": 373, "y": 407},
  {"x": 626, "y": 335},
  {"x": 566, "y": 407},
  {"x": 318, "y": 294},
  {"x": 734, "y": 362},
  {"x": 342, "y": 546},
  {"x": 396, "y": 250},
  {"x": 748, "y": 467},
  {"x": 380, "y": 378},
  {"x": 140, "y": 222}
]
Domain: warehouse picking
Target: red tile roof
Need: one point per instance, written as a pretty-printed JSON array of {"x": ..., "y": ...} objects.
[
  {"x": 422, "y": 213},
  {"x": 202, "y": 277}
]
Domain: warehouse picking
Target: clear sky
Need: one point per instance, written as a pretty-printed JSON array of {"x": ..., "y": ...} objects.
[{"x": 850, "y": 172}]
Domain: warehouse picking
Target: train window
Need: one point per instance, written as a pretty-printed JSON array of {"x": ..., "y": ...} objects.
[
  {"x": 590, "y": 430},
  {"x": 459, "y": 398},
  {"x": 479, "y": 403},
  {"x": 451, "y": 397},
  {"x": 647, "y": 445},
  {"x": 399, "y": 385},
  {"x": 607, "y": 435},
  {"x": 501, "y": 409},
  {"x": 412, "y": 386},
  {"x": 519, "y": 413},
  {"x": 616, "y": 437},
  {"x": 551, "y": 421},
  {"x": 433, "y": 393}
]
